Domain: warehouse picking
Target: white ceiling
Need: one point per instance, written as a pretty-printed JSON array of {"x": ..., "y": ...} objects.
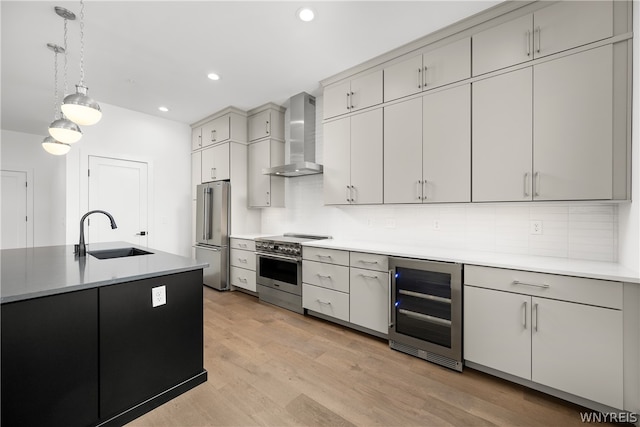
[{"x": 143, "y": 54}]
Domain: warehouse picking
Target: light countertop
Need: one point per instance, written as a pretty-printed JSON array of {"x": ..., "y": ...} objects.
[
  {"x": 36, "y": 272},
  {"x": 562, "y": 266},
  {"x": 248, "y": 236}
]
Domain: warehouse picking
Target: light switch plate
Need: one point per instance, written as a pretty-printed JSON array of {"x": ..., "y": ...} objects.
[{"x": 159, "y": 296}]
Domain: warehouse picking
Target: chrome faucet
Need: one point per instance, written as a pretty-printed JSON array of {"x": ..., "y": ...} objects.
[{"x": 81, "y": 249}]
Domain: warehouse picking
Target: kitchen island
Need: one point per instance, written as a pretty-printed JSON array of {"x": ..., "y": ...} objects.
[{"x": 92, "y": 342}]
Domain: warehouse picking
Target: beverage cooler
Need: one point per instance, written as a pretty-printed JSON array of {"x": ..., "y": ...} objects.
[{"x": 426, "y": 310}]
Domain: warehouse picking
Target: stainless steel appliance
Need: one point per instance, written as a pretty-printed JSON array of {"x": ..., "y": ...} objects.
[
  {"x": 426, "y": 310},
  {"x": 212, "y": 232},
  {"x": 279, "y": 269}
]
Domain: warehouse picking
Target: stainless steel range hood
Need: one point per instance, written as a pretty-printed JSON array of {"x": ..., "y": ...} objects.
[{"x": 302, "y": 139}]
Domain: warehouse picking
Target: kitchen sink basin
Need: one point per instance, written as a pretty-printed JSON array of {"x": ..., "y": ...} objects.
[{"x": 118, "y": 253}]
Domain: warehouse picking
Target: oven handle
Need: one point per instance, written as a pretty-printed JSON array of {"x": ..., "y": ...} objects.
[{"x": 274, "y": 256}]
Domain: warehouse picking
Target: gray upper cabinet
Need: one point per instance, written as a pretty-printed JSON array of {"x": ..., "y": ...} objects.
[
  {"x": 555, "y": 28},
  {"x": 501, "y": 135},
  {"x": 353, "y": 159},
  {"x": 216, "y": 131},
  {"x": 529, "y": 143},
  {"x": 573, "y": 150},
  {"x": 435, "y": 68},
  {"x": 266, "y": 124},
  {"x": 196, "y": 138},
  {"x": 438, "y": 126},
  {"x": 355, "y": 94}
]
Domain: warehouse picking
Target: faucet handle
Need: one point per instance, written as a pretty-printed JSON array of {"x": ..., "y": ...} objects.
[{"x": 76, "y": 248}]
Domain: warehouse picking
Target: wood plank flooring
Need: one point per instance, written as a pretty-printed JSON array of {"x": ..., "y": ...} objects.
[{"x": 272, "y": 367}]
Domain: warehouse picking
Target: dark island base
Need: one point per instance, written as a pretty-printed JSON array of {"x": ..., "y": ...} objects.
[{"x": 149, "y": 405}]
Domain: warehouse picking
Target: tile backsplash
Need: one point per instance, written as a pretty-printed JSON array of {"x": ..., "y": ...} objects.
[{"x": 568, "y": 230}]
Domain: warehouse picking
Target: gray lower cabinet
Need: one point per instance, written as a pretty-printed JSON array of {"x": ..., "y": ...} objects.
[{"x": 530, "y": 143}]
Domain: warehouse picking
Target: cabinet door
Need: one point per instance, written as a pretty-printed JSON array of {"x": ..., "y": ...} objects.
[
  {"x": 446, "y": 152},
  {"x": 568, "y": 24},
  {"x": 366, "y": 157},
  {"x": 337, "y": 160},
  {"x": 336, "y": 99},
  {"x": 573, "y": 146},
  {"x": 366, "y": 91},
  {"x": 503, "y": 45},
  {"x": 215, "y": 131},
  {"x": 497, "y": 330},
  {"x": 215, "y": 163},
  {"x": 369, "y": 303},
  {"x": 196, "y": 172},
  {"x": 196, "y": 138},
  {"x": 578, "y": 349},
  {"x": 259, "y": 184},
  {"x": 403, "y": 152},
  {"x": 448, "y": 64},
  {"x": 260, "y": 125},
  {"x": 501, "y": 134},
  {"x": 403, "y": 78}
]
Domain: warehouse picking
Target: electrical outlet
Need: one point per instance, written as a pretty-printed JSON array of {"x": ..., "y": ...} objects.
[
  {"x": 436, "y": 224},
  {"x": 536, "y": 227},
  {"x": 159, "y": 296}
]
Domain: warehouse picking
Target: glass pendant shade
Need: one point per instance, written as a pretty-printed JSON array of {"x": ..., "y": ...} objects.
[
  {"x": 80, "y": 108},
  {"x": 64, "y": 130},
  {"x": 54, "y": 147}
]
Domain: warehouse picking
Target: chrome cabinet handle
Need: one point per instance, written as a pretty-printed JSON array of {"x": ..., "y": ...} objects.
[
  {"x": 424, "y": 78},
  {"x": 352, "y": 191},
  {"x": 242, "y": 245},
  {"x": 524, "y": 314},
  {"x": 419, "y": 190},
  {"x": 268, "y": 198},
  {"x": 242, "y": 279},
  {"x": 266, "y": 128},
  {"x": 526, "y": 184},
  {"x": 352, "y": 107},
  {"x": 323, "y": 256},
  {"x": 528, "y": 42},
  {"x": 348, "y": 194},
  {"x": 419, "y": 78},
  {"x": 366, "y": 276},
  {"x": 364, "y": 261},
  {"x": 242, "y": 260},
  {"x": 538, "y": 31},
  {"x": 535, "y": 309},
  {"x": 199, "y": 140},
  {"x": 212, "y": 136},
  {"x": 347, "y": 100},
  {"x": 424, "y": 193},
  {"x": 536, "y": 184},
  {"x": 323, "y": 276},
  {"x": 323, "y": 301},
  {"x": 535, "y": 285}
]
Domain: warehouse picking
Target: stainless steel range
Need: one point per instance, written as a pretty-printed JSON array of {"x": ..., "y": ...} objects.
[{"x": 279, "y": 269}]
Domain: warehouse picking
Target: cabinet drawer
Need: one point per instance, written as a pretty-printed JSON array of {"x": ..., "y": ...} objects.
[
  {"x": 243, "y": 278},
  {"x": 326, "y": 301},
  {"x": 369, "y": 261},
  {"x": 601, "y": 293},
  {"x": 331, "y": 256},
  {"x": 328, "y": 276},
  {"x": 243, "y": 259},
  {"x": 243, "y": 244}
]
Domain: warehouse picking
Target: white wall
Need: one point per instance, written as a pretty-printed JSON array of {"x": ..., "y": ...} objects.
[
  {"x": 46, "y": 176},
  {"x": 630, "y": 213},
  {"x": 165, "y": 146},
  {"x": 570, "y": 230}
]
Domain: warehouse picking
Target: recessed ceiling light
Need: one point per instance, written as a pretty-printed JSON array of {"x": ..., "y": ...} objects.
[
  {"x": 163, "y": 109},
  {"x": 213, "y": 76},
  {"x": 306, "y": 14}
]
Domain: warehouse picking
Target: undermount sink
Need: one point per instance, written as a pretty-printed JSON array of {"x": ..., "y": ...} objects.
[{"x": 118, "y": 253}]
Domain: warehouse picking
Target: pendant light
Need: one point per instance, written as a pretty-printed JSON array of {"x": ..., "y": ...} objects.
[
  {"x": 79, "y": 107},
  {"x": 63, "y": 129},
  {"x": 49, "y": 143}
]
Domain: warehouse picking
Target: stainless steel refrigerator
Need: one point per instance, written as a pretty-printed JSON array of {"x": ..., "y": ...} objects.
[{"x": 212, "y": 232}]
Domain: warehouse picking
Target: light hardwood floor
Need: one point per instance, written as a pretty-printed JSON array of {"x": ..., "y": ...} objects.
[{"x": 269, "y": 366}]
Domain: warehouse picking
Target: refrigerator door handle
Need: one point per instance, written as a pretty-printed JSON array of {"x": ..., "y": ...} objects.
[{"x": 207, "y": 221}]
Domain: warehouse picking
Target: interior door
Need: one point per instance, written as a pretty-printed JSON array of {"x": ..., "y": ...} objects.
[
  {"x": 119, "y": 187},
  {"x": 14, "y": 209}
]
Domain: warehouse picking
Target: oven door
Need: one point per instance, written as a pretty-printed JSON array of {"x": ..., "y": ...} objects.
[{"x": 279, "y": 272}]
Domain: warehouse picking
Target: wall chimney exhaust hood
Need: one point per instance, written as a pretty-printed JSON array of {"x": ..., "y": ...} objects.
[{"x": 302, "y": 139}]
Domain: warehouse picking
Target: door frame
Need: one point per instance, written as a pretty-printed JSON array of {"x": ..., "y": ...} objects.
[{"x": 30, "y": 203}]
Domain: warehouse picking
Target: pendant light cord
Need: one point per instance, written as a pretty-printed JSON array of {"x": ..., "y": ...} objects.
[
  {"x": 66, "y": 87},
  {"x": 81, "y": 43},
  {"x": 55, "y": 85}
]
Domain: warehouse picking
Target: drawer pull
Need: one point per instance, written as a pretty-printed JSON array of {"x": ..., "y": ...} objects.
[
  {"x": 242, "y": 245},
  {"x": 242, "y": 260},
  {"x": 367, "y": 262},
  {"x": 242, "y": 279},
  {"x": 323, "y": 256},
  {"x": 322, "y": 276},
  {"x": 366, "y": 276},
  {"x": 321, "y": 301},
  {"x": 535, "y": 285}
]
